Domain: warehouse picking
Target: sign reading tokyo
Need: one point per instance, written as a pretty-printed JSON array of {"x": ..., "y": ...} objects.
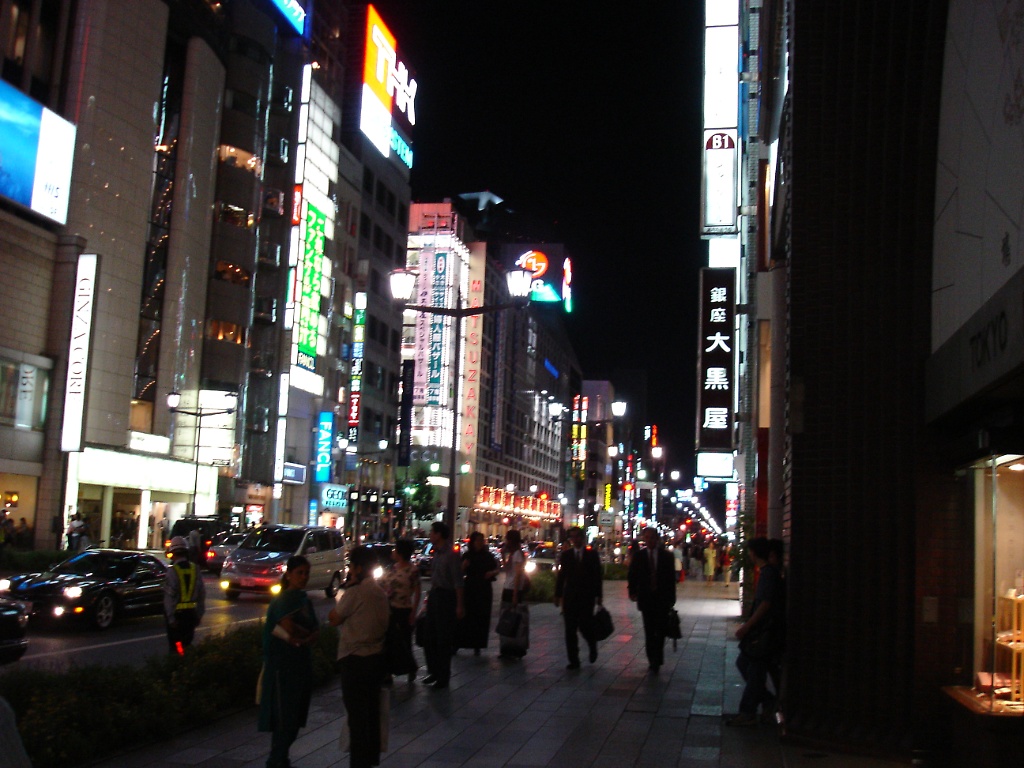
[
  {"x": 389, "y": 92},
  {"x": 38, "y": 147}
]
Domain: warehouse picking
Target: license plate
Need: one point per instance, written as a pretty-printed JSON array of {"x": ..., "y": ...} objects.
[{"x": 247, "y": 582}]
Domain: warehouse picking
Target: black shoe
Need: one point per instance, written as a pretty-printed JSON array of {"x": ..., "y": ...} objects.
[
  {"x": 573, "y": 665},
  {"x": 429, "y": 680},
  {"x": 593, "y": 653},
  {"x": 437, "y": 685}
]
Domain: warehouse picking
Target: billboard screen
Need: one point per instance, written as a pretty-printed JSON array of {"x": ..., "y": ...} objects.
[
  {"x": 36, "y": 150},
  {"x": 551, "y": 268}
]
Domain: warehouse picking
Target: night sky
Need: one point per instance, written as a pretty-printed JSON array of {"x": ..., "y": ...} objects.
[{"x": 588, "y": 116}]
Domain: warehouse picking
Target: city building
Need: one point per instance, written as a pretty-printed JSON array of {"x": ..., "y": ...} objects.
[{"x": 858, "y": 181}]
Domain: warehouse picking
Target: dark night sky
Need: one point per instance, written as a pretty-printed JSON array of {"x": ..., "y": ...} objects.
[{"x": 588, "y": 115}]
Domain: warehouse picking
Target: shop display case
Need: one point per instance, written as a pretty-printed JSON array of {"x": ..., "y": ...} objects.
[{"x": 1009, "y": 647}]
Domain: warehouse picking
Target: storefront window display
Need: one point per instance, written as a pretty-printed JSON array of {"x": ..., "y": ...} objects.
[{"x": 998, "y": 485}]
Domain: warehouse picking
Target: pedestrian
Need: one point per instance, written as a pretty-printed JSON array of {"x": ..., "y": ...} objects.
[
  {"x": 402, "y": 586},
  {"x": 677, "y": 556},
  {"x": 363, "y": 614},
  {"x": 184, "y": 598},
  {"x": 74, "y": 532},
  {"x": 445, "y": 606},
  {"x": 652, "y": 585},
  {"x": 479, "y": 569},
  {"x": 760, "y": 637},
  {"x": 195, "y": 546},
  {"x": 289, "y": 632},
  {"x": 726, "y": 560},
  {"x": 710, "y": 563},
  {"x": 513, "y": 566},
  {"x": 578, "y": 587}
]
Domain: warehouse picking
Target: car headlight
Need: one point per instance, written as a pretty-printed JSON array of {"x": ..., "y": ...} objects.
[
  {"x": 531, "y": 566},
  {"x": 378, "y": 572},
  {"x": 5, "y": 585},
  {"x": 72, "y": 593}
]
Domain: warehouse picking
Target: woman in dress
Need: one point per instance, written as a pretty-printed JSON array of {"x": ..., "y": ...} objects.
[
  {"x": 288, "y": 634},
  {"x": 479, "y": 569},
  {"x": 710, "y": 563},
  {"x": 402, "y": 585}
]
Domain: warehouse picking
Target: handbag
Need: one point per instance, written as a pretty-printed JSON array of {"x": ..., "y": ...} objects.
[
  {"x": 508, "y": 622},
  {"x": 422, "y": 630},
  {"x": 673, "y": 630},
  {"x": 601, "y": 626}
]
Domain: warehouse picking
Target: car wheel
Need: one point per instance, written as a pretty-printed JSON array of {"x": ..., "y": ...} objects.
[
  {"x": 231, "y": 594},
  {"x": 334, "y": 586},
  {"x": 103, "y": 612}
]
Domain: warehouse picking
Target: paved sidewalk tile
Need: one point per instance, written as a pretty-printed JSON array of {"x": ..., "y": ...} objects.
[{"x": 533, "y": 713}]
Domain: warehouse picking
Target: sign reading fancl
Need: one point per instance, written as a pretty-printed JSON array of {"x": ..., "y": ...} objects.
[
  {"x": 78, "y": 352},
  {"x": 389, "y": 92},
  {"x": 38, "y": 147},
  {"x": 324, "y": 443}
]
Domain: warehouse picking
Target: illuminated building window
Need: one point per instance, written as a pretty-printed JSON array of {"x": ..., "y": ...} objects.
[
  {"x": 231, "y": 273},
  {"x": 235, "y": 216},
  {"x": 221, "y": 330},
  {"x": 239, "y": 158}
]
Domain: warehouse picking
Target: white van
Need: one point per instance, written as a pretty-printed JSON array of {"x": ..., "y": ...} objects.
[{"x": 260, "y": 560}]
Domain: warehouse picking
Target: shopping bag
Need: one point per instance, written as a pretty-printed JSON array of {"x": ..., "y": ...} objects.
[
  {"x": 601, "y": 626},
  {"x": 508, "y": 622}
]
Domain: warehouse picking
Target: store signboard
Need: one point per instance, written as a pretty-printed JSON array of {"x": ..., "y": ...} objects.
[
  {"x": 82, "y": 314},
  {"x": 293, "y": 12},
  {"x": 719, "y": 193},
  {"x": 324, "y": 445},
  {"x": 716, "y": 366},
  {"x": 334, "y": 497},
  {"x": 309, "y": 276},
  {"x": 293, "y": 474},
  {"x": 389, "y": 92},
  {"x": 38, "y": 147},
  {"x": 551, "y": 268},
  {"x": 720, "y": 149}
]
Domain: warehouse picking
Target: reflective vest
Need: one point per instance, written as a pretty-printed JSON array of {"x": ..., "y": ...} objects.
[{"x": 188, "y": 574}]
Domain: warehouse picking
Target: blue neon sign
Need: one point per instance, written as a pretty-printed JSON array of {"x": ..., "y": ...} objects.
[{"x": 293, "y": 12}]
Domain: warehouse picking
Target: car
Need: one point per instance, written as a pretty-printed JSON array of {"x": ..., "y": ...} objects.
[
  {"x": 223, "y": 545},
  {"x": 383, "y": 554},
  {"x": 259, "y": 561},
  {"x": 425, "y": 559},
  {"x": 543, "y": 558},
  {"x": 13, "y": 623},
  {"x": 99, "y": 585},
  {"x": 208, "y": 527}
]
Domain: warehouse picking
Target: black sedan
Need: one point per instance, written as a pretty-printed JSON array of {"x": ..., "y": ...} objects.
[
  {"x": 98, "y": 585},
  {"x": 13, "y": 621}
]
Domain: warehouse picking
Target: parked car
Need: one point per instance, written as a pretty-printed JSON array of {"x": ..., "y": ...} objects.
[
  {"x": 223, "y": 545},
  {"x": 208, "y": 527},
  {"x": 98, "y": 584},
  {"x": 13, "y": 623},
  {"x": 424, "y": 560},
  {"x": 259, "y": 561}
]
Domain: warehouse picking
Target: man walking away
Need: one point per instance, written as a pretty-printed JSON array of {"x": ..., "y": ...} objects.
[
  {"x": 652, "y": 585},
  {"x": 184, "y": 598},
  {"x": 444, "y": 606},
  {"x": 577, "y": 588}
]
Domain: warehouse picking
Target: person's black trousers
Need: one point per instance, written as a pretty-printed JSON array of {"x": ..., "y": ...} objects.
[
  {"x": 654, "y": 636},
  {"x": 361, "y": 678},
  {"x": 441, "y": 622},
  {"x": 578, "y": 619}
]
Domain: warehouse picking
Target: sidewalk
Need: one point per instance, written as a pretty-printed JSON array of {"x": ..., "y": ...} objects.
[{"x": 533, "y": 712}]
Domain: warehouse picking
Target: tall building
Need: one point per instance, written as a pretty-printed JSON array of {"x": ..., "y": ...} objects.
[{"x": 866, "y": 177}]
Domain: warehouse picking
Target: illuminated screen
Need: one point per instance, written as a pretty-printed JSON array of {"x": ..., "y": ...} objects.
[
  {"x": 309, "y": 288},
  {"x": 38, "y": 180},
  {"x": 293, "y": 12}
]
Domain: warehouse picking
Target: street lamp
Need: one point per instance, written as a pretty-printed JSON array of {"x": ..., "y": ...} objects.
[
  {"x": 403, "y": 282},
  {"x": 173, "y": 401}
]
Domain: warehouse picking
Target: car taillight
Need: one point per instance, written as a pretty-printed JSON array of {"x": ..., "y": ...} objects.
[
  {"x": 210, "y": 554},
  {"x": 167, "y": 543}
]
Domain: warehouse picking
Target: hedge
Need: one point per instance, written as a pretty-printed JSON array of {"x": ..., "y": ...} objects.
[{"x": 89, "y": 712}]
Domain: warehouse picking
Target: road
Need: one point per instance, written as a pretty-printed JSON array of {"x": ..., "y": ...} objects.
[{"x": 133, "y": 640}]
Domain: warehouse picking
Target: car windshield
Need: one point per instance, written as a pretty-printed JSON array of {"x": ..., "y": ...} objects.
[
  {"x": 273, "y": 540},
  {"x": 95, "y": 564}
]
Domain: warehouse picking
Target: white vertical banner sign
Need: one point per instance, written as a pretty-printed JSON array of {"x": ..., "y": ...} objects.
[{"x": 78, "y": 352}]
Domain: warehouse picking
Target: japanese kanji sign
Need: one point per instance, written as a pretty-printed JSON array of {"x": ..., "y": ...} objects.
[{"x": 716, "y": 354}]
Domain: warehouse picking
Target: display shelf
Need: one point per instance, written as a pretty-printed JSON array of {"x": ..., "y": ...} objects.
[{"x": 1010, "y": 639}]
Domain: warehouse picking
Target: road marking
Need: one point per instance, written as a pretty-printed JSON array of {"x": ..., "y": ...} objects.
[{"x": 29, "y": 656}]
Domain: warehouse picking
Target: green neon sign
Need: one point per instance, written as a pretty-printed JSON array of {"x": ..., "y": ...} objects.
[{"x": 310, "y": 279}]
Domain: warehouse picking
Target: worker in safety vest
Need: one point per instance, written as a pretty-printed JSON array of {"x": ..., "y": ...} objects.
[{"x": 184, "y": 597}]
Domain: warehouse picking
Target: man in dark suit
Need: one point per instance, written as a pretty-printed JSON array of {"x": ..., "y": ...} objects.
[
  {"x": 577, "y": 588},
  {"x": 652, "y": 586}
]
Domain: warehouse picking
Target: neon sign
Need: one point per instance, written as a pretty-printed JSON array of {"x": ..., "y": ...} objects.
[
  {"x": 388, "y": 91},
  {"x": 324, "y": 438},
  {"x": 293, "y": 12}
]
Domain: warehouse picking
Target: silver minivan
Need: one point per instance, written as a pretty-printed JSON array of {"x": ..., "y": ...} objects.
[{"x": 259, "y": 561}]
